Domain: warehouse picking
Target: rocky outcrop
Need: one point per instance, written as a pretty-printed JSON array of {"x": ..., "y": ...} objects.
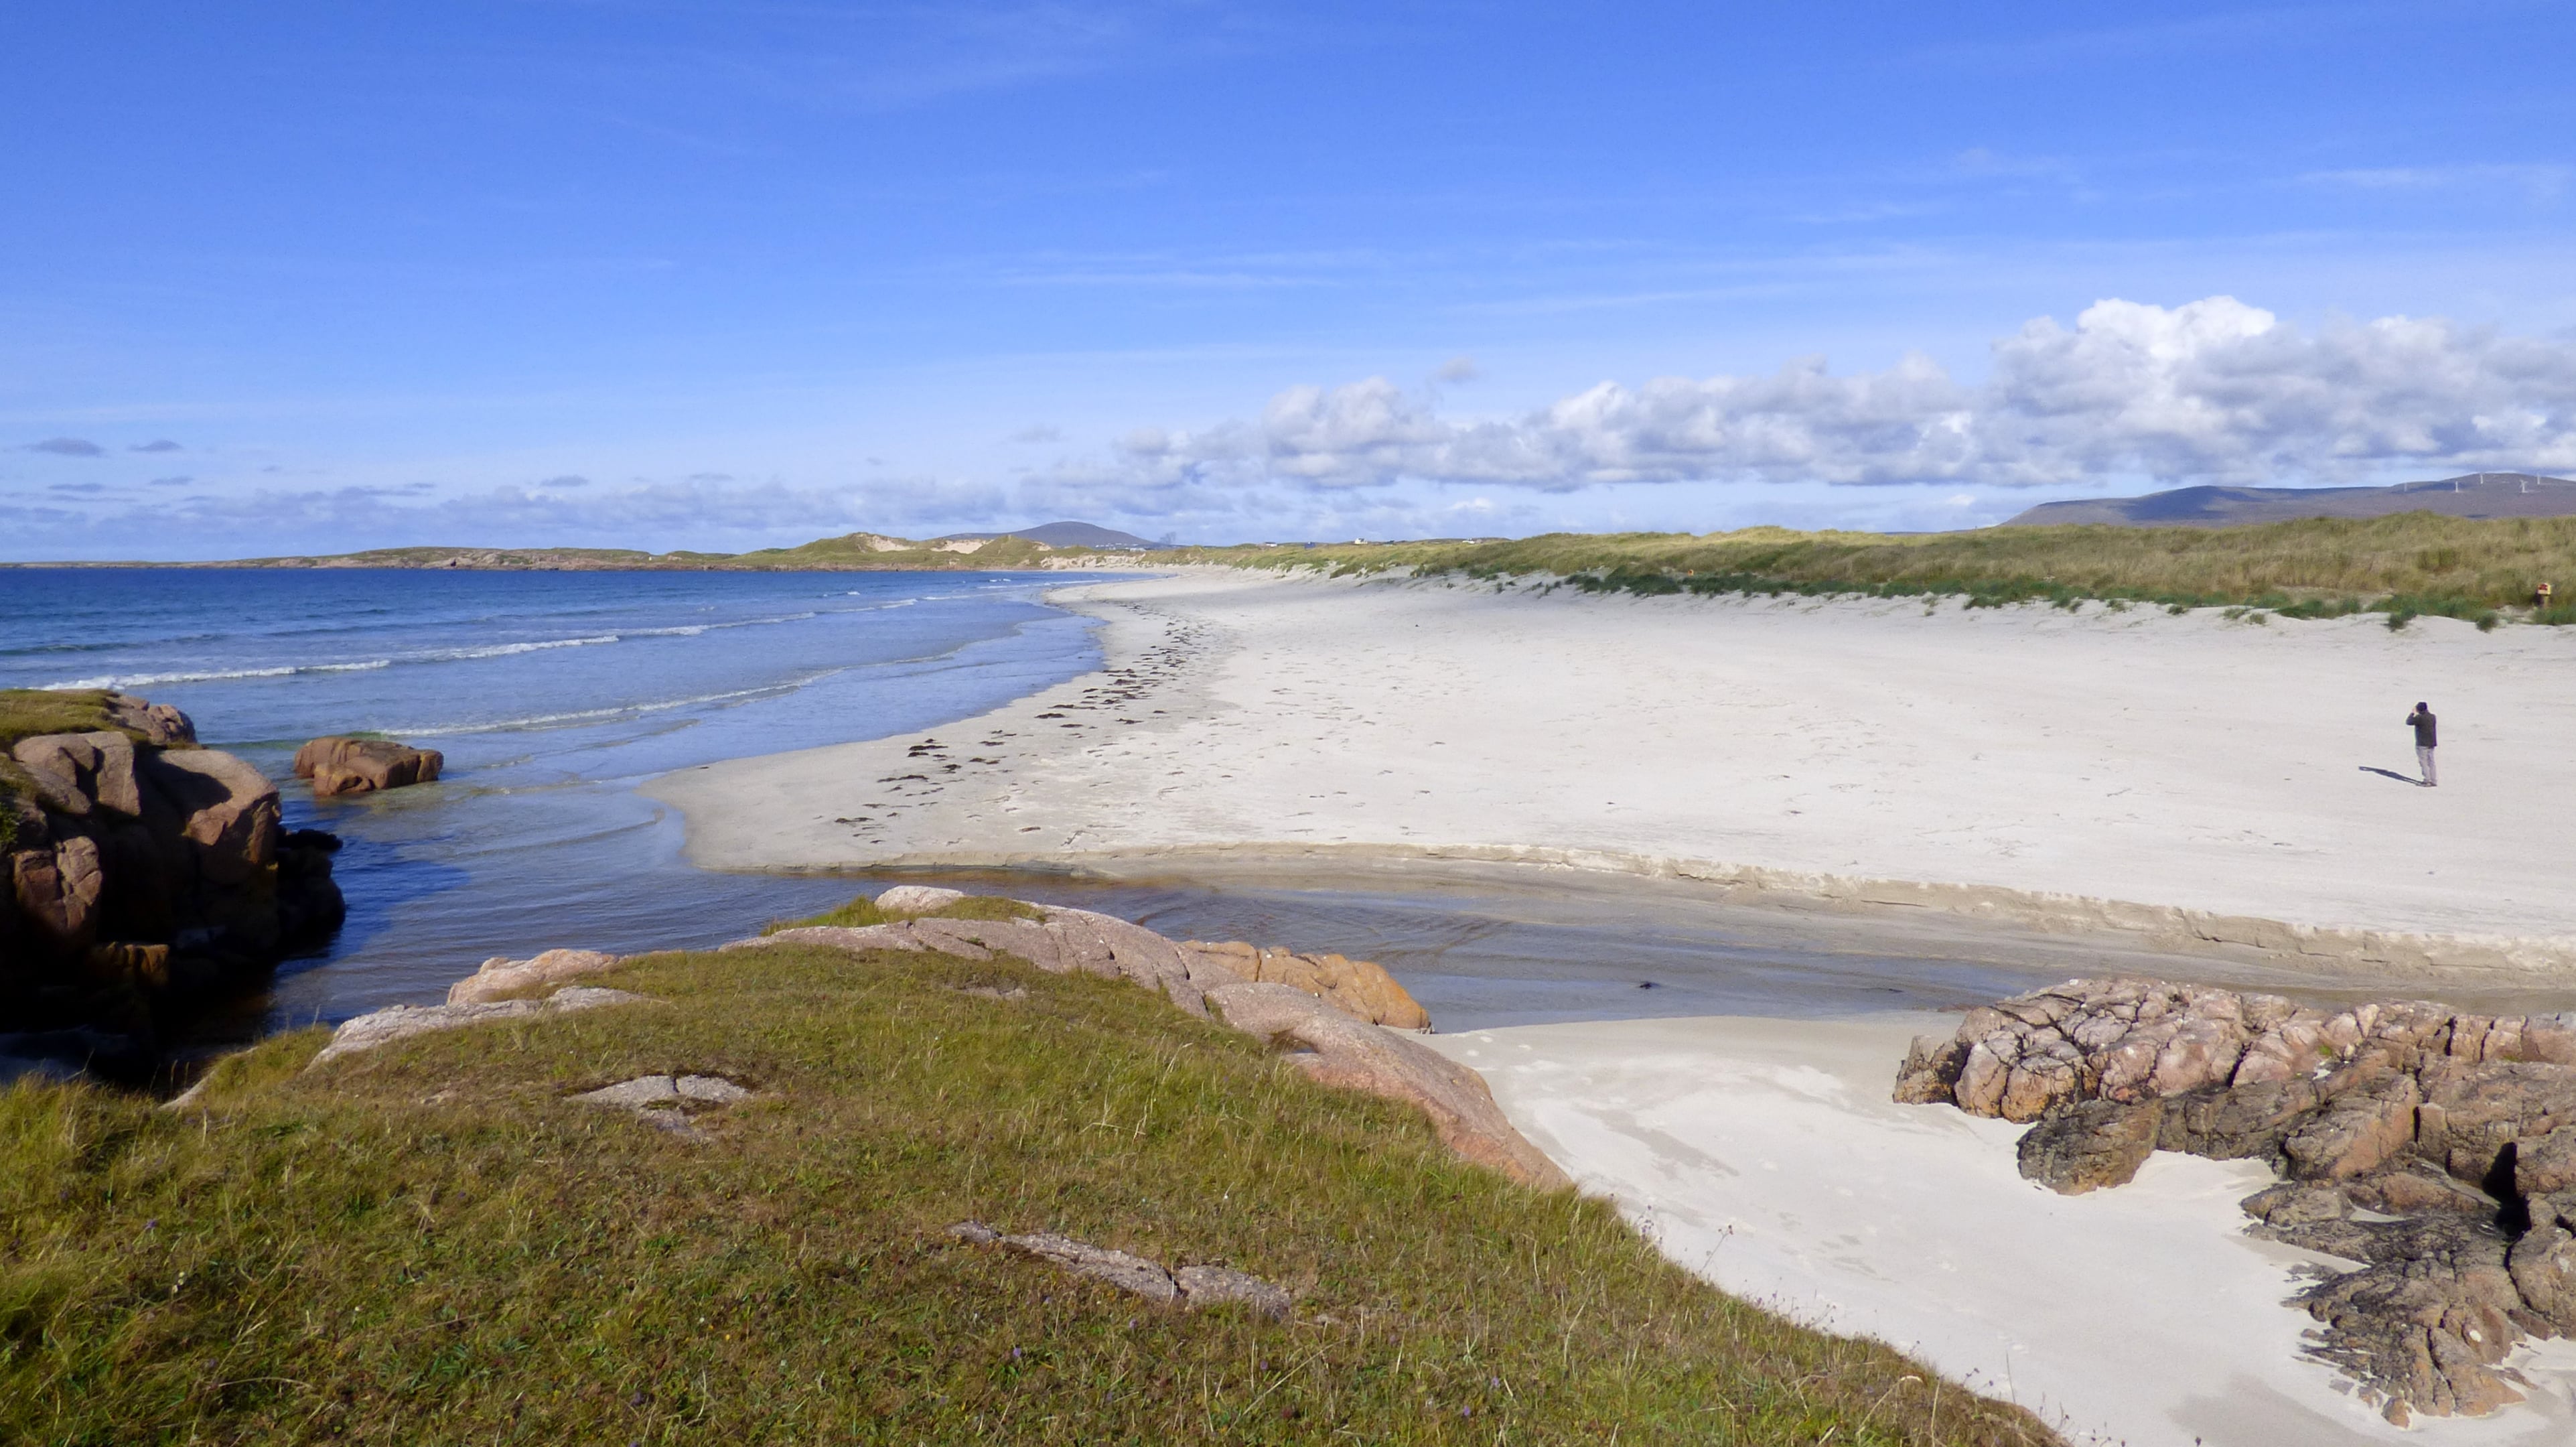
[
  {"x": 2459, "y": 1125},
  {"x": 502, "y": 978},
  {"x": 1355, "y": 1055},
  {"x": 1330, "y": 1040},
  {"x": 399, "y": 1022},
  {"x": 144, "y": 873},
  {"x": 1358, "y": 988},
  {"x": 1189, "y": 1288},
  {"x": 342, "y": 765}
]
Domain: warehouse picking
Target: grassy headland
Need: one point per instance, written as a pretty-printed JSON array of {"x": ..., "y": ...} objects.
[
  {"x": 2407, "y": 565},
  {"x": 431, "y": 1243},
  {"x": 853, "y": 552}
]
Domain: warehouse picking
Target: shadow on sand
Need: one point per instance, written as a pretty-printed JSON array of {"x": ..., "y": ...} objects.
[{"x": 2393, "y": 774}]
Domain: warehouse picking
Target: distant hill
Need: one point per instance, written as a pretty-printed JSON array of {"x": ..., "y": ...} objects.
[
  {"x": 2472, "y": 495},
  {"x": 1056, "y": 545},
  {"x": 1064, "y": 535}
]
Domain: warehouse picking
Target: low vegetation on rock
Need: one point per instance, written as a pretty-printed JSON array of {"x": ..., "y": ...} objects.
[
  {"x": 440, "y": 1239},
  {"x": 141, "y": 876}
]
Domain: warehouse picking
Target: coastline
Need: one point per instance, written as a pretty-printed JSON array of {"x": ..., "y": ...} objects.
[{"x": 1911, "y": 764}]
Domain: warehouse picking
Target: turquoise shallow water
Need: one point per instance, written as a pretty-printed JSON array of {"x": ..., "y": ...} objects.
[{"x": 551, "y": 695}]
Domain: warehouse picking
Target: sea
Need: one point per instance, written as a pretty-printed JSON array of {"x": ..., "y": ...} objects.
[{"x": 552, "y": 695}]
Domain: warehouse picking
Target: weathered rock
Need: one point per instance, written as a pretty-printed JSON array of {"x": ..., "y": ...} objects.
[
  {"x": 2291, "y": 1204},
  {"x": 1205, "y": 1286},
  {"x": 657, "y": 1092},
  {"x": 1191, "y": 1288},
  {"x": 2543, "y": 1267},
  {"x": 141, "y": 876},
  {"x": 1931, "y": 1072},
  {"x": 2355, "y": 1134},
  {"x": 2089, "y": 1145},
  {"x": 398, "y": 1022},
  {"x": 2460, "y": 1126},
  {"x": 501, "y": 977},
  {"x": 1118, "y": 1268},
  {"x": 157, "y": 724},
  {"x": 2547, "y": 1163},
  {"x": 2427, "y": 1321},
  {"x": 2238, "y": 1123},
  {"x": 75, "y": 773},
  {"x": 917, "y": 899},
  {"x": 1358, "y": 988},
  {"x": 2417, "y": 1187},
  {"x": 1337, "y": 1050},
  {"x": 341, "y": 765}
]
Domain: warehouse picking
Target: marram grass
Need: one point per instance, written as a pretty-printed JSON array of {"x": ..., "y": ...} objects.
[
  {"x": 429, "y": 1243},
  {"x": 2413, "y": 564}
]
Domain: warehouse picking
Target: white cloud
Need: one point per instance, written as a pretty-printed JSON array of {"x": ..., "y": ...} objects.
[{"x": 2210, "y": 391}]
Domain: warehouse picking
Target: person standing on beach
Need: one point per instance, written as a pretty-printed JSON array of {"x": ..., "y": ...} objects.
[{"x": 2422, "y": 719}]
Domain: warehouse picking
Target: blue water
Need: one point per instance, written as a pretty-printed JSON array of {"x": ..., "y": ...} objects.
[{"x": 551, "y": 695}]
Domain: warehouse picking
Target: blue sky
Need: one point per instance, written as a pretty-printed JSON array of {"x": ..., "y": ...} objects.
[{"x": 301, "y": 277}]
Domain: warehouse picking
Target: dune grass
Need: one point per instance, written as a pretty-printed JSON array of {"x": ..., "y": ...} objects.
[
  {"x": 429, "y": 1243},
  {"x": 2414, "y": 564}
]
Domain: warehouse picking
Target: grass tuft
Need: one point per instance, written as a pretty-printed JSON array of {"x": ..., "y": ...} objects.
[
  {"x": 863, "y": 911},
  {"x": 431, "y": 1243}
]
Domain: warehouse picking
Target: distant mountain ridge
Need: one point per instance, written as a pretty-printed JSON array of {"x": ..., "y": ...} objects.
[
  {"x": 1066, "y": 534},
  {"x": 2470, "y": 495}
]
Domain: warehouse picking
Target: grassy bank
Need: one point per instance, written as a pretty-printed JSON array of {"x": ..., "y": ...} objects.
[
  {"x": 430, "y": 1243},
  {"x": 2405, "y": 566}
]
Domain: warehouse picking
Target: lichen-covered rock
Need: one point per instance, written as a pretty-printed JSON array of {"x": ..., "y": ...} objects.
[
  {"x": 2462, "y": 1126},
  {"x": 1191, "y": 1288},
  {"x": 2090, "y": 1145}
]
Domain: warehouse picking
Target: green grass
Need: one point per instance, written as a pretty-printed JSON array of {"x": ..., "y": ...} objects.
[
  {"x": 863, "y": 911},
  {"x": 429, "y": 1243},
  {"x": 2416, "y": 564}
]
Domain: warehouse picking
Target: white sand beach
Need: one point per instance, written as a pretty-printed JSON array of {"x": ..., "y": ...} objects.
[
  {"x": 2182, "y": 776},
  {"x": 1765, "y": 1155},
  {"x": 2186, "y": 782}
]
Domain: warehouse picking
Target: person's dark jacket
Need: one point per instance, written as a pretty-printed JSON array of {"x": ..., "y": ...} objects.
[{"x": 2422, "y": 719}]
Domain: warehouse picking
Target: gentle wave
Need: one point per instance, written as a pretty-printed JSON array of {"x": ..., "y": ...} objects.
[
  {"x": 505, "y": 650},
  {"x": 588, "y": 715},
  {"x": 123, "y": 681}
]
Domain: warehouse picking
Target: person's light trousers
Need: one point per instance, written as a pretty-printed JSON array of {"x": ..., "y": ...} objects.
[{"x": 2424, "y": 762}]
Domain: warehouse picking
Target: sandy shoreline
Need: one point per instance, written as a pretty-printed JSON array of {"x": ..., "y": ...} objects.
[{"x": 2187, "y": 779}]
